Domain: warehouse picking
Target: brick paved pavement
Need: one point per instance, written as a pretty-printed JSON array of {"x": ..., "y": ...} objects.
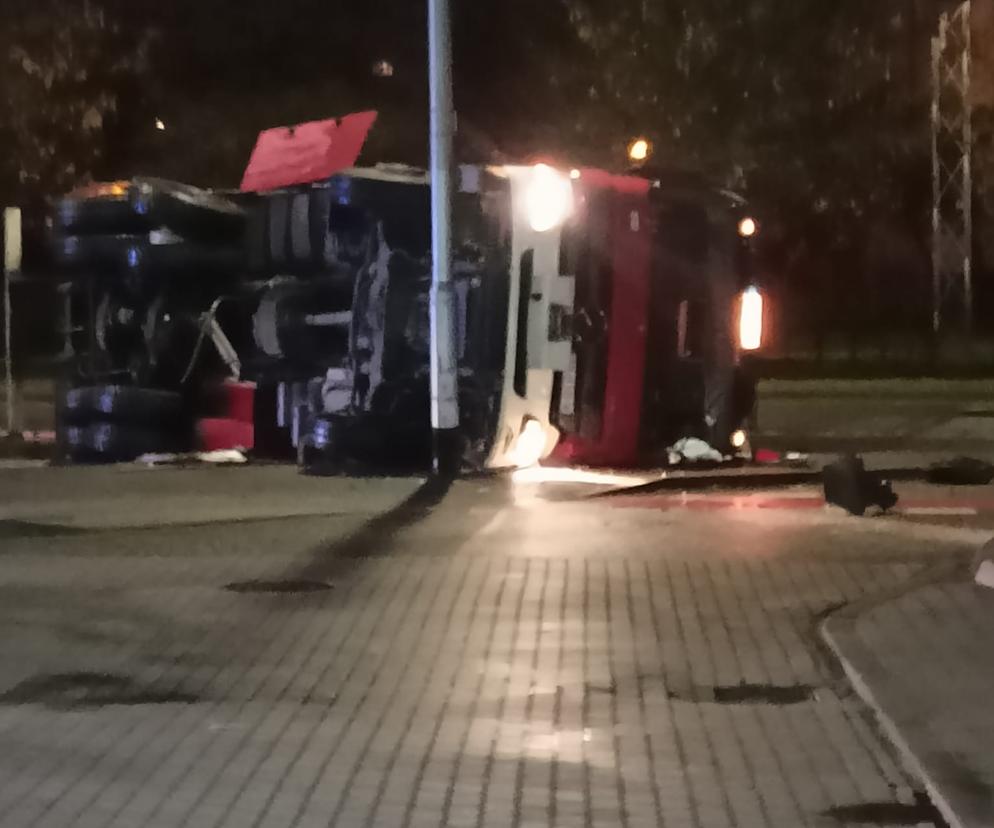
[
  {"x": 925, "y": 658},
  {"x": 498, "y": 663}
]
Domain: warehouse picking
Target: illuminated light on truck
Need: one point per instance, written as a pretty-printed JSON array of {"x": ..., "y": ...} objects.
[
  {"x": 531, "y": 444},
  {"x": 751, "y": 320},
  {"x": 548, "y": 198}
]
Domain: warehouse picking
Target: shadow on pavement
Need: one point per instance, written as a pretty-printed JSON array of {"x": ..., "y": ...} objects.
[{"x": 379, "y": 536}]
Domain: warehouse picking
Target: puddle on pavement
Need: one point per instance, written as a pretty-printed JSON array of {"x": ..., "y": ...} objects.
[
  {"x": 278, "y": 587},
  {"x": 69, "y": 691},
  {"x": 920, "y": 812}
]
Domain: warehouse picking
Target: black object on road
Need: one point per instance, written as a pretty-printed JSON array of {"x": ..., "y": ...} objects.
[
  {"x": 848, "y": 484},
  {"x": 961, "y": 471}
]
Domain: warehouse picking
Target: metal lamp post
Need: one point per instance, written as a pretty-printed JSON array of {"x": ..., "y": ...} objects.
[{"x": 444, "y": 378}]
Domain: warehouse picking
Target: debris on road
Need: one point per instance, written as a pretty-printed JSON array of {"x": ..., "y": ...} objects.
[
  {"x": 848, "y": 484},
  {"x": 920, "y": 812},
  {"x": 694, "y": 450},
  {"x": 222, "y": 457},
  {"x": 961, "y": 471}
]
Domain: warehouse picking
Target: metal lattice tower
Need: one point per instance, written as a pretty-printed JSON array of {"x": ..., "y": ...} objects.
[{"x": 952, "y": 172}]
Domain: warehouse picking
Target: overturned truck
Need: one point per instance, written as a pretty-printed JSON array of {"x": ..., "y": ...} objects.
[{"x": 599, "y": 318}]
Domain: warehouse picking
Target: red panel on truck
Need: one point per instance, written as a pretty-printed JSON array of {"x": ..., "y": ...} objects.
[
  {"x": 630, "y": 247},
  {"x": 285, "y": 156}
]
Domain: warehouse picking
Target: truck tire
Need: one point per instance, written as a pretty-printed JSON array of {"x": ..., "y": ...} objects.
[
  {"x": 124, "y": 404},
  {"x": 113, "y": 443},
  {"x": 188, "y": 211},
  {"x": 84, "y": 253},
  {"x": 279, "y": 223},
  {"x": 322, "y": 452},
  {"x": 256, "y": 241},
  {"x": 97, "y": 216},
  {"x": 183, "y": 259},
  {"x": 319, "y": 219},
  {"x": 300, "y": 233}
]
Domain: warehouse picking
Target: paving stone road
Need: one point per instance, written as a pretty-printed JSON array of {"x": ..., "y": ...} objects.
[
  {"x": 923, "y": 657},
  {"x": 494, "y": 659}
]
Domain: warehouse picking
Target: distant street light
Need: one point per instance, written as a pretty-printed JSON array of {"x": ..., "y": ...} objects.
[
  {"x": 748, "y": 228},
  {"x": 639, "y": 150},
  {"x": 160, "y": 125},
  {"x": 383, "y": 69}
]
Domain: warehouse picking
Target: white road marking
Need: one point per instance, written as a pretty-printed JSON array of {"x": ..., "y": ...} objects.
[{"x": 940, "y": 511}]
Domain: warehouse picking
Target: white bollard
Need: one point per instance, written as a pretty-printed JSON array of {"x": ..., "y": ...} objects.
[{"x": 11, "y": 265}]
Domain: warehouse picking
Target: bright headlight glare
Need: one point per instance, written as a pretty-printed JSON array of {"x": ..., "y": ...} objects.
[
  {"x": 748, "y": 227},
  {"x": 751, "y": 320},
  {"x": 529, "y": 447},
  {"x": 640, "y": 149},
  {"x": 548, "y": 198}
]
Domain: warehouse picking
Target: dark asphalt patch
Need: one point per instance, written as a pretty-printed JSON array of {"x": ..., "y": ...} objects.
[
  {"x": 70, "y": 691},
  {"x": 771, "y": 694},
  {"x": 922, "y": 811},
  {"x": 289, "y": 587},
  {"x": 764, "y": 694},
  {"x": 11, "y": 529},
  {"x": 961, "y": 471}
]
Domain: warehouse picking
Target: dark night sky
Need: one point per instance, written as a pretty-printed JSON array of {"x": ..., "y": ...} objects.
[{"x": 226, "y": 69}]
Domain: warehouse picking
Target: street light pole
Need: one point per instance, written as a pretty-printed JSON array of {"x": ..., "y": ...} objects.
[{"x": 444, "y": 379}]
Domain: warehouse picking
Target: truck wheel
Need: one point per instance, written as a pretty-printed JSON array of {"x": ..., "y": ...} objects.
[
  {"x": 322, "y": 452},
  {"x": 257, "y": 239},
  {"x": 87, "y": 252},
  {"x": 319, "y": 219},
  {"x": 188, "y": 211},
  {"x": 88, "y": 216},
  {"x": 124, "y": 404},
  {"x": 183, "y": 259},
  {"x": 300, "y": 233},
  {"x": 112, "y": 443},
  {"x": 279, "y": 224}
]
